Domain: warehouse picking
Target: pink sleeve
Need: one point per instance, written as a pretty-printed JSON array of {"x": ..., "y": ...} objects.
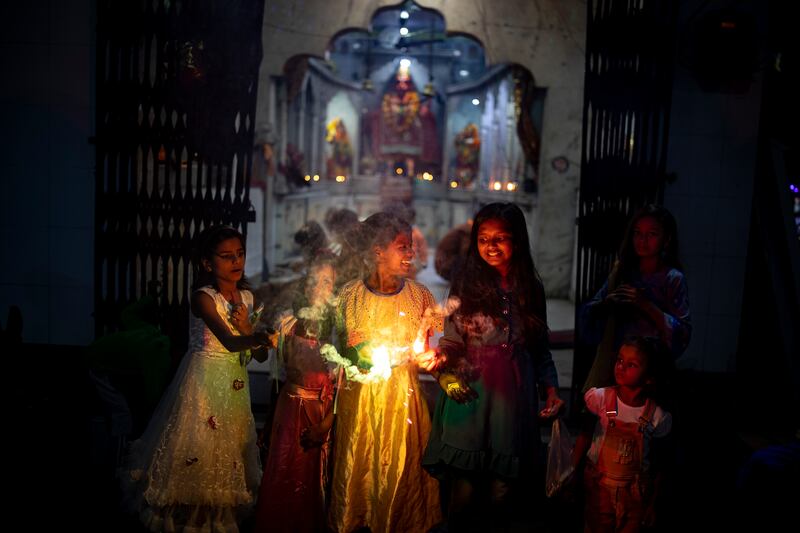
[{"x": 594, "y": 400}]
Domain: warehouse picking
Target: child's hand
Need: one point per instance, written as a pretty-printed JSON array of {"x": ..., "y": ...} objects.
[
  {"x": 553, "y": 405},
  {"x": 312, "y": 437},
  {"x": 456, "y": 389},
  {"x": 429, "y": 360},
  {"x": 266, "y": 338},
  {"x": 240, "y": 319},
  {"x": 358, "y": 355},
  {"x": 627, "y": 294},
  {"x": 316, "y": 434},
  {"x": 273, "y": 337}
]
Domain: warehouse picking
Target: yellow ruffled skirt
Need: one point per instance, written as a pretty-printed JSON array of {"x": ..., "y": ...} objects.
[{"x": 378, "y": 481}]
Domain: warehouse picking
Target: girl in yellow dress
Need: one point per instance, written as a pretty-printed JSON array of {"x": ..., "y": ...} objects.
[{"x": 382, "y": 425}]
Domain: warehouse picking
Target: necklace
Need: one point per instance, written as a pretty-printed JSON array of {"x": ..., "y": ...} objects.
[{"x": 230, "y": 298}]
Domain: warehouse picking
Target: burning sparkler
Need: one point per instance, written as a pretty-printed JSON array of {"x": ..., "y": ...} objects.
[{"x": 384, "y": 357}]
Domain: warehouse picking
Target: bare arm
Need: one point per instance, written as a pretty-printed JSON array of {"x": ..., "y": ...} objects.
[
  {"x": 583, "y": 441},
  {"x": 203, "y": 306}
]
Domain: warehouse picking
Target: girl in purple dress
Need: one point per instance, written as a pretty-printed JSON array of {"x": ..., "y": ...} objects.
[{"x": 485, "y": 439}]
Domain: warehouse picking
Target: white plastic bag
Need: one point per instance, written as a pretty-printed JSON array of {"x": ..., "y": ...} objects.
[{"x": 559, "y": 458}]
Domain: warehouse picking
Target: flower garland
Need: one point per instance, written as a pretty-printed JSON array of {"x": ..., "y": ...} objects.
[{"x": 378, "y": 372}]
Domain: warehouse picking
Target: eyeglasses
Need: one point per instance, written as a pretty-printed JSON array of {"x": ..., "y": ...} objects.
[{"x": 231, "y": 257}]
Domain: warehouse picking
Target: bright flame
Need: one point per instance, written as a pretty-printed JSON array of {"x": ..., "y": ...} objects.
[
  {"x": 404, "y": 14},
  {"x": 475, "y": 101},
  {"x": 341, "y": 179},
  {"x": 453, "y": 184},
  {"x": 398, "y": 171},
  {"x": 404, "y": 31},
  {"x": 316, "y": 177},
  {"x": 511, "y": 186},
  {"x": 405, "y": 62},
  {"x": 307, "y": 178},
  {"x": 381, "y": 364},
  {"x": 497, "y": 185}
]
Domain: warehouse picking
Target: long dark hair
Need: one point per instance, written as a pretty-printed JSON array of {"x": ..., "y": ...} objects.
[
  {"x": 311, "y": 238},
  {"x": 380, "y": 229},
  {"x": 343, "y": 225},
  {"x": 629, "y": 261},
  {"x": 475, "y": 282},
  {"x": 204, "y": 248}
]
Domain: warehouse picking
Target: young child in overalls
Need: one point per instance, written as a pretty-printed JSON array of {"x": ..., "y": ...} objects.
[{"x": 621, "y": 486}]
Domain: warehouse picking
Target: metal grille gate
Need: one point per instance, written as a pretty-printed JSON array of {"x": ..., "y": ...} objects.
[
  {"x": 176, "y": 97},
  {"x": 627, "y": 96}
]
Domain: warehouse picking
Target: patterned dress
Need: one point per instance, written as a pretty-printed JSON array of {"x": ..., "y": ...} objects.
[
  {"x": 382, "y": 427},
  {"x": 497, "y": 433},
  {"x": 196, "y": 466}
]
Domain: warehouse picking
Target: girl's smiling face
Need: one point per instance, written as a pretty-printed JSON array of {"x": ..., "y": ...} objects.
[
  {"x": 395, "y": 258},
  {"x": 494, "y": 245}
]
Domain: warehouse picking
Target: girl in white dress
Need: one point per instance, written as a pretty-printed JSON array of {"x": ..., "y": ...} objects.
[{"x": 196, "y": 466}]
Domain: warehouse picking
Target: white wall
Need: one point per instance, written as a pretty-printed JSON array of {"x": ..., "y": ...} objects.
[
  {"x": 712, "y": 149},
  {"x": 46, "y": 168}
]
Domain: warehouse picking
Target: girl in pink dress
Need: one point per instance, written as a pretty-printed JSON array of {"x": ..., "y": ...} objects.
[{"x": 292, "y": 497}]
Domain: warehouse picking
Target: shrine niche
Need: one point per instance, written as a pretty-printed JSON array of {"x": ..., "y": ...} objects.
[
  {"x": 467, "y": 143},
  {"x": 407, "y": 111},
  {"x": 341, "y": 127},
  {"x": 339, "y": 162}
]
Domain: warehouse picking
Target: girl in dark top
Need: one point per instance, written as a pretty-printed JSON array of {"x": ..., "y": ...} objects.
[
  {"x": 645, "y": 295},
  {"x": 496, "y": 361}
]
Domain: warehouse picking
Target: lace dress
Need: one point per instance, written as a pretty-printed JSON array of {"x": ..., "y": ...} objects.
[{"x": 196, "y": 466}]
